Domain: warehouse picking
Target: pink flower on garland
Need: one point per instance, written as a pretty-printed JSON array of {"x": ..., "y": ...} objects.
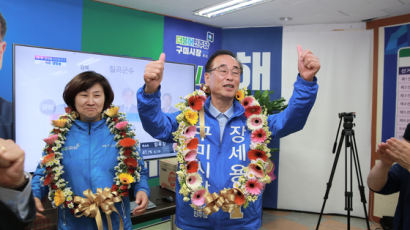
[
  {"x": 255, "y": 121},
  {"x": 190, "y": 132},
  {"x": 253, "y": 186},
  {"x": 258, "y": 136},
  {"x": 51, "y": 139},
  {"x": 271, "y": 169},
  {"x": 193, "y": 180},
  {"x": 190, "y": 155},
  {"x": 198, "y": 197},
  {"x": 256, "y": 170},
  {"x": 247, "y": 101},
  {"x": 253, "y": 109},
  {"x": 272, "y": 175},
  {"x": 121, "y": 125}
]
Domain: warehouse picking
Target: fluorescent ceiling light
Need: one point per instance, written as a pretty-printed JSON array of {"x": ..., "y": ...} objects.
[{"x": 227, "y": 7}]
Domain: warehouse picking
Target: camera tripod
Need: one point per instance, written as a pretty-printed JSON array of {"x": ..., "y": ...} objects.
[{"x": 352, "y": 157}]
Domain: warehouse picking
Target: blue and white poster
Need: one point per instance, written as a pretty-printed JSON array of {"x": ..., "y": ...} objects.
[
  {"x": 396, "y": 38},
  {"x": 260, "y": 51}
]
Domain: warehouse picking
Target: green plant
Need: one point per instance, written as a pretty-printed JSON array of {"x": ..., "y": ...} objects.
[{"x": 270, "y": 106}]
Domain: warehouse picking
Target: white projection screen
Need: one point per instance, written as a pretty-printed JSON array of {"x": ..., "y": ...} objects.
[{"x": 40, "y": 75}]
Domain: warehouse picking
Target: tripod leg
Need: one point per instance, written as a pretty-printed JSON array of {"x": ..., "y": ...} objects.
[
  {"x": 360, "y": 179},
  {"x": 332, "y": 173},
  {"x": 348, "y": 190}
]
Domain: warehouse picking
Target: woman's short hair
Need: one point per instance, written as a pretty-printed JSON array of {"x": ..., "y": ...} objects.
[{"x": 83, "y": 82}]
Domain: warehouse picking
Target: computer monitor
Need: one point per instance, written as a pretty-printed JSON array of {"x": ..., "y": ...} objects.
[{"x": 40, "y": 75}]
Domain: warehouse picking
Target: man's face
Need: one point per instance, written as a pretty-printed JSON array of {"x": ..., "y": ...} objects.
[
  {"x": 224, "y": 80},
  {"x": 2, "y": 49}
]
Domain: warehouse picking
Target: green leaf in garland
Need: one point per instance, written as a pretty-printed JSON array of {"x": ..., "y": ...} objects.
[
  {"x": 271, "y": 107},
  {"x": 246, "y": 204}
]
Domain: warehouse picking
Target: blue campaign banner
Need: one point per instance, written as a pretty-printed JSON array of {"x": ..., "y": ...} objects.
[
  {"x": 189, "y": 42},
  {"x": 260, "y": 51},
  {"x": 396, "y": 37}
]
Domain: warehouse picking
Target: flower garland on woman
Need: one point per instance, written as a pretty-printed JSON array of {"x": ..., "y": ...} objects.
[
  {"x": 126, "y": 171},
  {"x": 258, "y": 173}
]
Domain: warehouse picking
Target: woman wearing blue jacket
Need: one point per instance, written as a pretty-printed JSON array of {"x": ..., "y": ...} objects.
[
  {"x": 90, "y": 161},
  {"x": 222, "y": 140}
]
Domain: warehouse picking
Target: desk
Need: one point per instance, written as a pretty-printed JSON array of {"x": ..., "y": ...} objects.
[{"x": 163, "y": 209}]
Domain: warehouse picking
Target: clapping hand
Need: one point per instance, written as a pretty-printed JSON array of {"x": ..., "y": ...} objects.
[{"x": 399, "y": 151}]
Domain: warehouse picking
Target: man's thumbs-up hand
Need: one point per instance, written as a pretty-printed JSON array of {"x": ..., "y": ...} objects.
[
  {"x": 153, "y": 74},
  {"x": 308, "y": 64}
]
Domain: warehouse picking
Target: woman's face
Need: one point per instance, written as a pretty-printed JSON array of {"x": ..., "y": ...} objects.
[{"x": 90, "y": 103}]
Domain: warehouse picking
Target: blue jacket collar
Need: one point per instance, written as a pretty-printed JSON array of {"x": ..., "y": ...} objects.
[
  {"x": 238, "y": 109},
  {"x": 82, "y": 125}
]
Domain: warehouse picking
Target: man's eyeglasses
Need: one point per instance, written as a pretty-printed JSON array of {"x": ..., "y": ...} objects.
[{"x": 223, "y": 70}]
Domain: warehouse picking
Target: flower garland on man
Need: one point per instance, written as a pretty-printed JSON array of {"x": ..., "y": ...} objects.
[
  {"x": 90, "y": 161},
  {"x": 221, "y": 141},
  {"x": 249, "y": 186}
]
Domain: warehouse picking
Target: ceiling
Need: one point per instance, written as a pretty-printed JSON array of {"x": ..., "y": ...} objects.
[{"x": 302, "y": 12}]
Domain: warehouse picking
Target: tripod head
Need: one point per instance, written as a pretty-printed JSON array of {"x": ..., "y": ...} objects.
[
  {"x": 347, "y": 125},
  {"x": 348, "y": 120}
]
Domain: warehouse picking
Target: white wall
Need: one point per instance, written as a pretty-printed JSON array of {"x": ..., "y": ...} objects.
[{"x": 345, "y": 81}]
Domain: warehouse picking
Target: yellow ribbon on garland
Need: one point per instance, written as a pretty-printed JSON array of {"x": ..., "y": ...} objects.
[
  {"x": 225, "y": 200},
  {"x": 202, "y": 123},
  {"x": 91, "y": 204}
]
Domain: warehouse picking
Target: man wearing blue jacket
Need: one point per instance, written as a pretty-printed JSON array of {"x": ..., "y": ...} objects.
[{"x": 222, "y": 153}]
